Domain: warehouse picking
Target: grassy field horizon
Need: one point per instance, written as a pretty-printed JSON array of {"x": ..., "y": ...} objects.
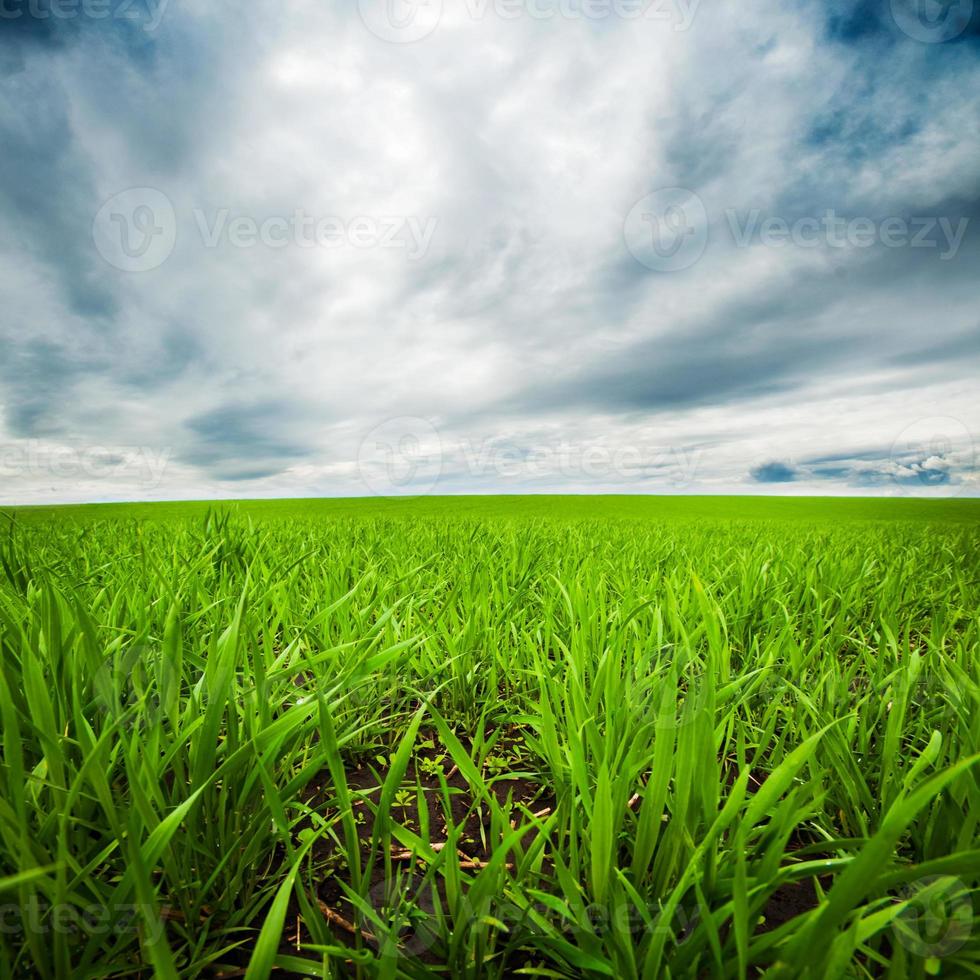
[
  {"x": 641, "y": 506},
  {"x": 635, "y": 345}
]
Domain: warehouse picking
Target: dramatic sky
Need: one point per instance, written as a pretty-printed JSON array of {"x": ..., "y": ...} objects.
[{"x": 410, "y": 246}]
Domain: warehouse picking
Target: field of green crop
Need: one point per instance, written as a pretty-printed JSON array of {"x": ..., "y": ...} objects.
[{"x": 488, "y": 737}]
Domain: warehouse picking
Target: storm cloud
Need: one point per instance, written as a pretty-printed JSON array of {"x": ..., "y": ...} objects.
[{"x": 478, "y": 248}]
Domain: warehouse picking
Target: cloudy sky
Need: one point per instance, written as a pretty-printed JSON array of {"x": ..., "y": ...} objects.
[{"x": 409, "y": 246}]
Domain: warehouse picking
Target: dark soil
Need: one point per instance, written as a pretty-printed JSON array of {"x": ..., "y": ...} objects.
[
  {"x": 469, "y": 816},
  {"x": 473, "y": 842}
]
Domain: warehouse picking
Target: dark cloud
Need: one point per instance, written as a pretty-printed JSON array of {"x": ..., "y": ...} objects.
[
  {"x": 831, "y": 472},
  {"x": 43, "y": 24},
  {"x": 865, "y": 455},
  {"x": 849, "y": 135},
  {"x": 37, "y": 377},
  {"x": 869, "y": 22},
  {"x": 753, "y": 346},
  {"x": 956, "y": 349},
  {"x": 790, "y": 334},
  {"x": 47, "y": 190},
  {"x": 165, "y": 359},
  {"x": 242, "y": 441},
  {"x": 702, "y": 138},
  {"x": 897, "y": 466},
  {"x": 84, "y": 322},
  {"x": 856, "y": 21},
  {"x": 774, "y": 472}
]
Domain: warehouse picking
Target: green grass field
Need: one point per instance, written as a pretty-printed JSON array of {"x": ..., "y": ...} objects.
[{"x": 486, "y": 737}]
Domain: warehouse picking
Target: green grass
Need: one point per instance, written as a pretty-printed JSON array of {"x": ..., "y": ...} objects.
[
  {"x": 561, "y": 508},
  {"x": 674, "y": 736}
]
